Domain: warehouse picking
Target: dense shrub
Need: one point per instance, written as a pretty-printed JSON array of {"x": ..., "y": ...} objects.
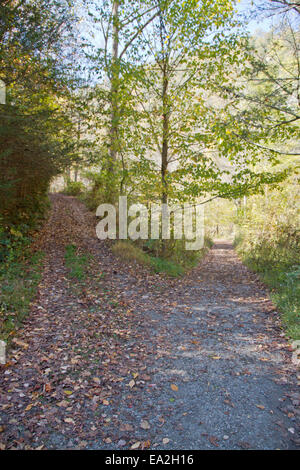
[{"x": 74, "y": 188}]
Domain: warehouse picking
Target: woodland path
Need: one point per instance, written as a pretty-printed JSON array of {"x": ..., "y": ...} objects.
[{"x": 127, "y": 357}]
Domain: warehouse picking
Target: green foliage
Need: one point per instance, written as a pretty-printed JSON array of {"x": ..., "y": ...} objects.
[
  {"x": 286, "y": 295},
  {"x": 175, "y": 112},
  {"x": 20, "y": 273},
  {"x": 132, "y": 253},
  {"x": 220, "y": 218},
  {"x": 35, "y": 128},
  {"x": 96, "y": 193},
  {"x": 74, "y": 188},
  {"x": 76, "y": 263},
  {"x": 162, "y": 265},
  {"x": 178, "y": 262},
  {"x": 269, "y": 243}
]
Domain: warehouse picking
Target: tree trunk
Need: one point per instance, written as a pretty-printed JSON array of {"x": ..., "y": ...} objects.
[
  {"x": 165, "y": 147},
  {"x": 114, "y": 88}
]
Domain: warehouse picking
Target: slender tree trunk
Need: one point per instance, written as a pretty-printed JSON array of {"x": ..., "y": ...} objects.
[
  {"x": 114, "y": 88},
  {"x": 165, "y": 142},
  {"x": 76, "y": 169},
  {"x": 165, "y": 146}
]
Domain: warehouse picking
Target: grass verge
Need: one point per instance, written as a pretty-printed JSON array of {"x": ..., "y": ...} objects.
[
  {"x": 174, "y": 266},
  {"x": 19, "y": 278},
  {"x": 284, "y": 284}
]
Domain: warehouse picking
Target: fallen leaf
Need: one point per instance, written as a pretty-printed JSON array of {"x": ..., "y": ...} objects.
[
  {"x": 174, "y": 387},
  {"x": 126, "y": 427},
  {"x": 69, "y": 420},
  {"x": 136, "y": 445},
  {"x": 146, "y": 444},
  {"x": 83, "y": 443},
  {"x": 20, "y": 343},
  {"x": 63, "y": 403},
  {"x": 261, "y": 407},
  {"x": 145, "y": 424},
  {"x": 28, "y": 407},
  {"x": 213, "y": 441}
]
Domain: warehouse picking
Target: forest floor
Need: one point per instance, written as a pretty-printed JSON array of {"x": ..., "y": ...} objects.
[{"x": 129, "y": 359}]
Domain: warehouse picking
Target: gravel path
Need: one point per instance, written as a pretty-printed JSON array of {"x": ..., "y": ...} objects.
[{"x": 127, "y": 358}]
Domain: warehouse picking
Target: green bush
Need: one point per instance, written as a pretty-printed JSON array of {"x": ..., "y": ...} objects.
[{"x": 74, "y": 188}]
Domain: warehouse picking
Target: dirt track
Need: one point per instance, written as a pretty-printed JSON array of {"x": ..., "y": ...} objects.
[{"x": 129, "y": 357}]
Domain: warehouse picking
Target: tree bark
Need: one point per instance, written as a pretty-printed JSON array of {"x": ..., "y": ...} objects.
[
  {"x": 165, "y": 147},
  {"x": 114, "y": 88}
]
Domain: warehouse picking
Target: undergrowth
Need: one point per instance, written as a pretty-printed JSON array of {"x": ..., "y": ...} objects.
[
  {"x": 175, "y": 265},
  {"x": 278, "y": 265},
  {"x": 20, "y": 273}
]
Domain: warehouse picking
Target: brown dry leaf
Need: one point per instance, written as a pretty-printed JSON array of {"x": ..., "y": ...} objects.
[
  {"x": 105, "y": 402},
  {"x": 20, "y": 343},
  {"x": 28, "y": 407},
  {"x": 213, "y": 441},
  {"x": 126, "y": 427},
  {"x": 161, "y": 419},
  {"x": 131, "y": 383},
  {"x": 174, "y": 387},
  {"x": 146, "y": 444},
  {"x": 261, "y": 407}
]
